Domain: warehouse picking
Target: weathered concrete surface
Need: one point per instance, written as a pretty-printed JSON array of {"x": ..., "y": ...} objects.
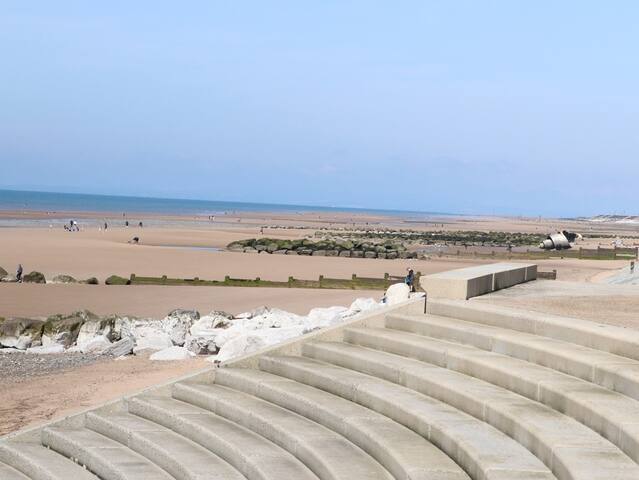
[
  {"x": 465, "y": 283},
  {"x": 465, "y": 391}
]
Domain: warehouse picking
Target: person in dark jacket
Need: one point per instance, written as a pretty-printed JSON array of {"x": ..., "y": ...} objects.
[
  {"x": 410, "y": 279},
  {"x": 19, "y": 273}
]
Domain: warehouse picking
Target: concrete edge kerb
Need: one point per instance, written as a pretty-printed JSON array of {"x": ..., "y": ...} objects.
[
  {"x": 32, "y": 433},
  {"x": 608, "y": 338}
]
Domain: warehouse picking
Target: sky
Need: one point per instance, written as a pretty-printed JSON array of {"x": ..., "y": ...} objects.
[{"x": 491, "y": 107}]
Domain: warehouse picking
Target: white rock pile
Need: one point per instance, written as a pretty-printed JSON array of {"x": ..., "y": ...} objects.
[{"x": 182, "y": 334}]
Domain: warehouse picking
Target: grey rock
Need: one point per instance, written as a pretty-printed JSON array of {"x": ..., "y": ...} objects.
[
  {"x": 9, "y": 279},
  {"x": 370, "y": 254},
  {"x": 345, "y": 253},
  {"x": 20, "y": 332},
  {"x": 64, "y": 329},
  {"x": 34, "y": 277},
  {"x": 63, "y": 279},
  {"x": 120, "y": 348},
  {"x": 319, "y": 253},
  {"x": 357, "y": 254},
  {"x": 332, "y": 253},
  {"x": 177, "y": 324},
  {"x": 201, "y": 345},
  {"x": 94, "y": 327}
]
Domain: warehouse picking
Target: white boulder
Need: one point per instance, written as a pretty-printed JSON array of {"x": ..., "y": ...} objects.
[
  {"x": 122, "y": 347},
  {"x": 91, "y": 329},
  {"x": 54, "y": 348},
  {"x": 249, "y": 342},
  {"x": 172, "y": 353},
  {"x": 151, "y": 337},
  {"x": 96, "y": 345},
  {"x": 364, "y": 305},
  {"x": 203, "y": 334},
  {"x": 397, "y": 293},
  {"x": 177, "y": 324},
  {"x": 21, "y": 342},
  {"x": 238, "y": 346},
  {"x": 202, "y": 344},
  {"x": 9, "y": 279},
  {"x": 209, "y": 324},
  {"x": 270, "y": 318},
  {"x": 325, "y": 317},
  {"x": 59, "y": 338}
]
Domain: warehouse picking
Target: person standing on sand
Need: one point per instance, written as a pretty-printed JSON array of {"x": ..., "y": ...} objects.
[{"x": 19, "y": 273}]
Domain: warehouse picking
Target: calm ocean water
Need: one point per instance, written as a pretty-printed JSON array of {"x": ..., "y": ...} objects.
[{"x": 60, "y": 202}]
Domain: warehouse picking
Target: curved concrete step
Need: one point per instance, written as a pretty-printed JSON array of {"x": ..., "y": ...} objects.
[
  {"x": 610, "y": 371},
  {"x": 608, "y": 338},
  {"x": 329, "y": 455},
  {"x": 568, "y": 448},
  {"x": 8, "y": 473},
  {"x": 40, "y": 463},
  {"x": 254, "y": 456},
  {"x": 611, "y": 414},
  {"x": 404, "y": 453},
  {"x": 108, "y": 459},
  {"x": 182, "y": 458},
  {"x": 480, "y": 449}
]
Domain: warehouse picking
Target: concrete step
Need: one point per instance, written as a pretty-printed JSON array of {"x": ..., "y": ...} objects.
[
  {"x": 480, "y": 449},
  {"x": 251, "y": 454},
  {"x": 568, "y": 448},
  {"x": 9, "y": 473},
  {"x": 182, "y": 458},
  {"x": 607, "y": 338},
  {"x": 404, "y": 453},
  {"x": 328, "y": 454},
  {"x": 108, "y": 459},
  {"x": 611, "y": 371},
  {"x": 40, "y": 463},
  {"x": 611, "y": 414}
]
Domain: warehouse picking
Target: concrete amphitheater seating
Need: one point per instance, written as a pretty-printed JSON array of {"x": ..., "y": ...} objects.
[{"x": 465, "y": 391}]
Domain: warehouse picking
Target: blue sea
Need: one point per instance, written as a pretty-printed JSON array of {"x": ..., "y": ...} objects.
[{"x": 18, "y": 200}]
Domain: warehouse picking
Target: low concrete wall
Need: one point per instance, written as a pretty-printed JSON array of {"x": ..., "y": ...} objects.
[{"x": 465, "y": 283}]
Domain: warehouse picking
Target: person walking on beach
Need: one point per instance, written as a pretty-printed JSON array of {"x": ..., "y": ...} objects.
[{"x": 19, "y": 273}]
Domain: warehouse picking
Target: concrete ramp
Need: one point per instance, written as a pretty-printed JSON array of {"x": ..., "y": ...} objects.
[
  {"x": 465, "y": 283},
  {"x": 461, "y": 392}
]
